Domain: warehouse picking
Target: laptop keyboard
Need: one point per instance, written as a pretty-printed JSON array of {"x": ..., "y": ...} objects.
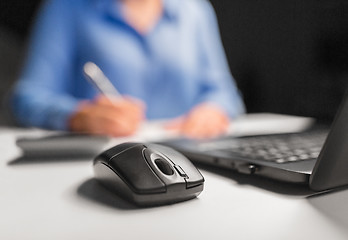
[{"x": 281, "y": 148}]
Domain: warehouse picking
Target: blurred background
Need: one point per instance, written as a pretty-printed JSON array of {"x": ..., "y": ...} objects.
[{"x": 288, "y": 56}]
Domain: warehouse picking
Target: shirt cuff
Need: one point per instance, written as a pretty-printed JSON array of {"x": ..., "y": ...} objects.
[{"x": 60, "y": 113}]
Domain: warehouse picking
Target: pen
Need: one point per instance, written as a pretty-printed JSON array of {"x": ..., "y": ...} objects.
[{"x": 97, "y": 78}]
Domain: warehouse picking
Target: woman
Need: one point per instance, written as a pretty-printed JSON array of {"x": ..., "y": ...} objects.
[{"x": 164, "y": 56}]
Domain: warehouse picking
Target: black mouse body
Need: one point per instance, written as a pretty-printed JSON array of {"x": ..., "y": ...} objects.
[{"x": 148, "y": 174}]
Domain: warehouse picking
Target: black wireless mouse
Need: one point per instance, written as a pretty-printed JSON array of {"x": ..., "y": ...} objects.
[{"x": 148, "y": 174}]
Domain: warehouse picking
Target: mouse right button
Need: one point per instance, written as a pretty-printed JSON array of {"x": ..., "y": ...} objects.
[{"x": 194, "y": 180}]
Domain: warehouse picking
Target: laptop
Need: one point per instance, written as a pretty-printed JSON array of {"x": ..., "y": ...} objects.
[{"x": 317, "y": 157}]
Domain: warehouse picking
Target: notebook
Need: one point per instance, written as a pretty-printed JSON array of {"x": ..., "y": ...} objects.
[
  {"x": 62, "y": 145},
  {"x": 316, "y": 157},
  {"x": 66, "y": 145}
]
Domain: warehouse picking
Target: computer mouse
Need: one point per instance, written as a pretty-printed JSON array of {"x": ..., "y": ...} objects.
[{"x": 148, "y": 174}]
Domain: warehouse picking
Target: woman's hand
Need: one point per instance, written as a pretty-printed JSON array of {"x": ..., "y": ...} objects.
[
  {"x": 116, "y": 117},
  {"x": 203, "y": 121}
]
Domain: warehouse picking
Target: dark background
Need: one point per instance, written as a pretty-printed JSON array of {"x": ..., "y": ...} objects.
[{"x": 287, "y": 56}]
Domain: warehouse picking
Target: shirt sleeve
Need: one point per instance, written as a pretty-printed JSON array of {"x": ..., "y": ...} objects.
[
  {"x": 217, "y": 83},
  {"x": 41, "y": 96}
]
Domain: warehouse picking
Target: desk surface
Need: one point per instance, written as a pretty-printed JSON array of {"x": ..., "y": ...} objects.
[{"x": 58, "y": 199}]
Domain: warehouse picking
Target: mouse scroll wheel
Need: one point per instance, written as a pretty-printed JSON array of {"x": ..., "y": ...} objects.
[{"x": 164, "y": 166}]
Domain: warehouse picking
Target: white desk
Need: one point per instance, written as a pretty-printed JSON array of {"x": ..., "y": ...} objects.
[{"x": 60, "y": 200}]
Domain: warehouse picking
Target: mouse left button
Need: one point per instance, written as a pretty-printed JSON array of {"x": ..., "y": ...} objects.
[
  {"x": 114, "y": 151},
  {"x": 135, "y": 171}
]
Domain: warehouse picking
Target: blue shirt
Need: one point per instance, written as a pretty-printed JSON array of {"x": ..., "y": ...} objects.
[{"x": 178, "y": 64}]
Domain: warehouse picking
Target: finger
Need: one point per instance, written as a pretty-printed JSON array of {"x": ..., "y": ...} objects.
[
  {"x": 201, "y": 126},
  {"x": 193, "y": 127},
  {"x": 103, "y": 100},
  {"x": 118, "y": 131},
  {"x": 127, "y": 106},
  {"x": 112, "y": 127},
  {"x": 132, "y": 112},
  {"x": 131, "y": 109},
  {"x": 175, "y": 124},
  {"x": 140, "y": 103}
]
